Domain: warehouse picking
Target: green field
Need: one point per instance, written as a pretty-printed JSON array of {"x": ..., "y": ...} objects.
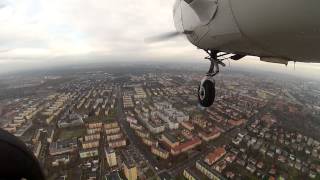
[{"x": 64, "y": 134}]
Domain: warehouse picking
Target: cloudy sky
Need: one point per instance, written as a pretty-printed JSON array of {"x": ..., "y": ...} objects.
[
  {"x": 36, "y": 33},
  {"x": 48, "y": 32}
]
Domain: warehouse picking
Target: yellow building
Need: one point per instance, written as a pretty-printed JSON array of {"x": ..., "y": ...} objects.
[
  {"x": 160, "y": 152},
  {"x": 112, "y": 137},
  {"x": 150, "y": 142},
  {"x": 94, "y": 125},
  {"x": 112, "y": 130},
  {"x": 117, "y": 143},
  {"x": 130, "y": 170},
  {"x": 93, "y": 131},
  {"x": 111, "y": 125},
  {"x": 136, "y": 126},
  {"x": 90, "y": 144},
  {"x": 208, "y": 171},
  {"x": 170, "y": 140},
  {"x": 190, "y": 175},
  {"x": 142, "y": 134},
  {"x": 91, "y": 137}
]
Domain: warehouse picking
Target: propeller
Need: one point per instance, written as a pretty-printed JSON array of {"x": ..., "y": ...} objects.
[
  {"x": 166, "y": 36},
  {"x": 187, "y": 16}
]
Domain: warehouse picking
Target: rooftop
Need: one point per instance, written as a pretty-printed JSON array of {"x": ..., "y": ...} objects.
[
  {"x": 187, "y": 144},
  {"x": 215, "y": 155},
  {"x": 170, "y": 137}
]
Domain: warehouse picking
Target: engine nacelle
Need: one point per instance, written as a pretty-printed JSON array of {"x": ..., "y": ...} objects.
[{"x": 287, "y": 29}]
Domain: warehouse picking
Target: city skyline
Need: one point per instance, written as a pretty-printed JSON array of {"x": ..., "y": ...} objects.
[
  {"x": 41, "y": 34},
  {"x": 145, "y": 123}
]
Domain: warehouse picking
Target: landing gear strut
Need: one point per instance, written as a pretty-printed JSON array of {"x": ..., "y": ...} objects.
[{"x": 206, "y": 90}]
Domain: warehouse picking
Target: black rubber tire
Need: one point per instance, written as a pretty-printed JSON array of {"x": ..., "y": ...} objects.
[{"x": 210, "y": 91}]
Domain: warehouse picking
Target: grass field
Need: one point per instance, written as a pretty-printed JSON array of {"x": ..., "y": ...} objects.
[{"x": 71, "y": 133}]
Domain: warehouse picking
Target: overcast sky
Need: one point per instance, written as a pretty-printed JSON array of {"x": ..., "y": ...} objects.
[{"x": 35, "y": 33}]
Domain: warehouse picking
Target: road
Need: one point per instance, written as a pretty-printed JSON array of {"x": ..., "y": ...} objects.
[
  {"x": 133, "y": 138},
  {"x": 102, "y": 156}
]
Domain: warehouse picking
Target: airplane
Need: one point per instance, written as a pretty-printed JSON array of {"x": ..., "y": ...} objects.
[{"x": 276, "y": 31}]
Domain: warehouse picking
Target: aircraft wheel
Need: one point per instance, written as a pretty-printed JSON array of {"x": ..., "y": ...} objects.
[{"x": 206, "y": 92}]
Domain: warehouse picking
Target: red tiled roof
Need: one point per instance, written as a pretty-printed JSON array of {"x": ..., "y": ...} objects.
[
  {"x": 215, "y": 155},
  {"x": 187, "y": 144},
  {"x": 236, "y": 122},
  {"x": 188, "y": 124},
  {"x": 214, "y": 132}
]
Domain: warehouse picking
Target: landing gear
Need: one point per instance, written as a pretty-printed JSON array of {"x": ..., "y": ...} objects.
[{"x": 206, "y": 89}]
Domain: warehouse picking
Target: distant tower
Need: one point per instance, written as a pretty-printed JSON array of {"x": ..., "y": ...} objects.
[{"x": 111, "y": 157}]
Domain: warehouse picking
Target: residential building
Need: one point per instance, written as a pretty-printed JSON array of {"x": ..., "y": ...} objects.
[
  {"x": 139, "y": 93},
  {"x": 170, "y": 139},
  {"x": 60, "y": 159},
  {"x": 94, "y": 130},
  {"x": 94, "y": 125},
  {"x": 215, "y": 155},
  {"x": 150, "y": 142},
  {"x": 136, "y": 126},
  {"x": 142, "y": 134},
  {"x": 127, "y": 102},
  {"x": 131, "y": 120},
  {"x": 111, "y": 125},
  {"x": 91, "y": 137},
  {"x": 215, "y": 133},
  {"x": 130, "y": 169},
  {"x": 190, "y": 175},
  {"x": 61, "y": 147},
  {"x": 112, "y": 130},
  {"x": 186, "y": 146},
  {"x": 112, "y": 137},
  {"x": 187, "y": 125},
  {"x": 208, "y": 171},
  {"x": 117, "y": 143},
  {"x": 90, "y": 144},
  {"x": 160, "y": 152},
  {"x": 153, "y": 127},
  {"x": 88, "y": 153}
]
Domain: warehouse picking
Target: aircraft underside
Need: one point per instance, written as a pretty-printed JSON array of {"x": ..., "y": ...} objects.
[{"x": 268, "y": 28}]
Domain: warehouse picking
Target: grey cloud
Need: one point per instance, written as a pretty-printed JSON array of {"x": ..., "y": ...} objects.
[
  {"x": 2, "y": 5},
  {"x": 5, "y": 50}
]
